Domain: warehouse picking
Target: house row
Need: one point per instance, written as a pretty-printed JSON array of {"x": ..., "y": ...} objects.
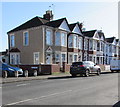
[{"x": 48, "y": 41}]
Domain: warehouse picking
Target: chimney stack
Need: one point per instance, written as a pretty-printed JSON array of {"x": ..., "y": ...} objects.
[{"x": 48, "y": 15}]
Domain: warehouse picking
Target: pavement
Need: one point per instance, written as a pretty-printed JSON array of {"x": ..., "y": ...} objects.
[{"x": 40, "y": 77}]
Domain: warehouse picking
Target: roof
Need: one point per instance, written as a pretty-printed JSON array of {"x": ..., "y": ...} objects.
[
  {"x": 71, "y": 26},
  {"x": 14, "y": 50},
  {"x": 117, "y": 40},
  {"x": 100, "y": 33},
  {"x": 56, "y": 23},
  {"x": 34, "y": 22},
  {"x": 89, "y": 33},
  {"x": 38, "y": 21},
  {"x": 110, "y": 40}
]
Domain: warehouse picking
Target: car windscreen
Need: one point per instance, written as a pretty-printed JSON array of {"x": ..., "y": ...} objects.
[{"x": 77, "y": 63}]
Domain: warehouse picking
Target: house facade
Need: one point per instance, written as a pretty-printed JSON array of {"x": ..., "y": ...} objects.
[{"x": 48, "y": 41}]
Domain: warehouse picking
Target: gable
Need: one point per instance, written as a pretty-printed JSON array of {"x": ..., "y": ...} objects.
[
  {"x": 114, "y": 42},
  {"x": 77, "y": 30},
  {"x": 49, "y": 49},
  {"x": 96, "y": 35},
  {"x": 64, "y": 26}
]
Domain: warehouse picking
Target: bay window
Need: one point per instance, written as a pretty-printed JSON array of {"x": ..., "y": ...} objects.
[{"x": 61, "y": 39}]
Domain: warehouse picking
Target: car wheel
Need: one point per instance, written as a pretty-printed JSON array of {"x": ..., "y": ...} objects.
[
  {"x": 87, "y": 73},
  {"x": 26, "y": 73},
  {"x": 98, "y": 72},
  {"x": 73, "y": 75},
  {"x": 35, "y": 73},
  {"x": 5, "y": 74}
]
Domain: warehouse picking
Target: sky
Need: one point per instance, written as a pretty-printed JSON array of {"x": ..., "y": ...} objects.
[{"x": 94, "y": 15}]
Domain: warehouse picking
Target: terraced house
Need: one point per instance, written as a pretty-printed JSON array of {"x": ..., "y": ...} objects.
[{"x": 48, "y": 41}]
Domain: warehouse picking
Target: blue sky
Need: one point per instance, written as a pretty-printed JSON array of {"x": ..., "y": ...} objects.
[{"x": 94, "y": 15}]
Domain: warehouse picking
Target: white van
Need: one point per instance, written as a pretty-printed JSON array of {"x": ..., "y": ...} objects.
[{"x": 115, "y": 65}]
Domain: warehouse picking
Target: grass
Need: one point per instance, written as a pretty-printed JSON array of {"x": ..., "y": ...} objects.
[{"x": 59, "y": 73}]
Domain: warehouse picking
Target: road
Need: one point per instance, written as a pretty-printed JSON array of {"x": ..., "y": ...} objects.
[{"x": 93, "y": 90}]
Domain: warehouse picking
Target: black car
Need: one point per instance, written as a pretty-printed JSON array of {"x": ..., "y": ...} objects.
[{"x": 84, "y": 68}]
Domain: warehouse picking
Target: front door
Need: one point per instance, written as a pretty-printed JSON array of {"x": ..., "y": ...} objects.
[{"x": 48, "y": 58}]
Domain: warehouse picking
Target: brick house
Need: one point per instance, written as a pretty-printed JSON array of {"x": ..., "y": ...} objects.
[
  {"x": 48, "y": 41},
  {"x": 94, "y": 46}
]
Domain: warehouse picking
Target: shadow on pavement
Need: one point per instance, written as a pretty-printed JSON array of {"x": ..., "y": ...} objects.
[{"x": 117, "y": 104}]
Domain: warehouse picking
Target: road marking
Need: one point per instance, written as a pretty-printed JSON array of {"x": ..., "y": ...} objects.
[
  {"x": 22, "y": 101},
  {"x": 21, "y": 85}
]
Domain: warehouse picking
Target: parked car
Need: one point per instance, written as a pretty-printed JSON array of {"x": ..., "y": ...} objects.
[
  {"x": 84, "y": 68},
  {"x": 115, "y": 65},
  {"x": 10, "y": 69}
]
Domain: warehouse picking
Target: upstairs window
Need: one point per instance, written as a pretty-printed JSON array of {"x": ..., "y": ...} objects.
[
  {"x": 25, "y": 39},
  {"x": 70, "y": 41},
  {"x": 12, "y": 41},
  {"x": 63, "y": 39},
  {"x": 80, "y": 42},
  {"x": 48, "y": 37},
  {"x": 75, "y": 41},
  {"x": 57, "y": 39}
]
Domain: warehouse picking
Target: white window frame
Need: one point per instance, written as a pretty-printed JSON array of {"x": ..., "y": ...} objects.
[
  {"x": 51, "y": 37},
  {"x": 57, "y": 60},
  {"x": 35, "y": 62},
  {"x": 61, "y": 39},
  {"x": 12, "y": 45},
  {"x": 80, "y": 43},
  {"x": 65, "y": 56},
  {"x": 91, "y": 44},
  {"x": 24, "y": 38},
  {"x": 16, "y": 61}
]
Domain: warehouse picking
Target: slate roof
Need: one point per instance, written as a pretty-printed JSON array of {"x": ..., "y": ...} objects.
[
  {"x": 110, "y": 40},
  {"x": 38, "y": 21},
  {"x": 117, "y": 40},
  {"x": 71, "y": 26},
  {"x": 89, "y": 33},
  {"x": 56, "y": 23},
  {"x": 34, "y": 22}
]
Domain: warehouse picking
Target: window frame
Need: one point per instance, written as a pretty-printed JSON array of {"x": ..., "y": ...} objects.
[
  {"x": 12, "y": 40},
  {"x": 24, "y": 41}
]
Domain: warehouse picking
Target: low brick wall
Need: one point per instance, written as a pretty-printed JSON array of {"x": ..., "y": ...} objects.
[
  {"x": 49, "y": 68},
  {"x": 66, "y": 67}
]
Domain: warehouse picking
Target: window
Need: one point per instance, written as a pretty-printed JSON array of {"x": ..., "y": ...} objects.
[
  {"x": 75, "y": 41},
  {"x": 75, "y": 58},
  {"x": 57, "y": 58},
  {"x": 63, "y": 39},
  {"x": 70, "y": 58},
  {"x": 12, "y": 41},
  {"x": 57, "y": 39},
  {"x": 91, "y": 44},
  {"x": 60, "y": 39},
  {"x": 70, "y": 41},
  {"x": 14, "y": 58},
  {"x": 80, "y": 43},
  {"x": 63, "y": 58},
  {"x": 36, "y": 57},
  {"x": 90, "y": 58},
  {"x": 48, "y": 37},
  {"x": 94, "y": 46},
  {"x": 25, "y": 39},
  {"x": 85, "y": 44}
]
